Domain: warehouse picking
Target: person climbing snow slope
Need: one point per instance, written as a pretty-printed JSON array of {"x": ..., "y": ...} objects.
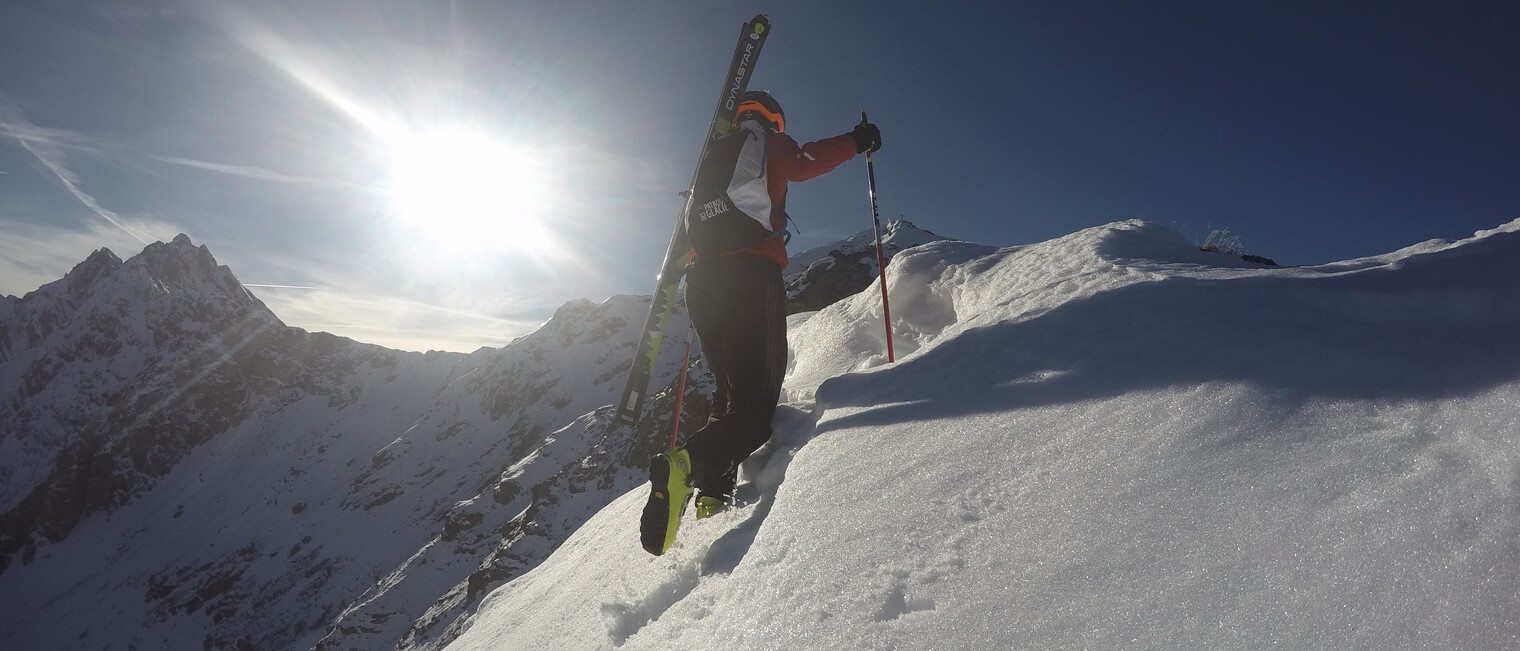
[{"x": 736, "y": 299}]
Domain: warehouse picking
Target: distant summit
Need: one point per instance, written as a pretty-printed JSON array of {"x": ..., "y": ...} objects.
[
  {"x": 117, "y": 371},
  {"x": 823, "y": 275},
  {"x": 188, "y": 267},
  {"x": 101, "y": 264},
  {"x": 181, "y": 283},
  {"x": 254, "y": 485}
]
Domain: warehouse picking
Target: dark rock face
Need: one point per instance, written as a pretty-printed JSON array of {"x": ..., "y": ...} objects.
[
  {"x": 116, "y": 372},
  {"x": 829, "y": 280},
  {"x": 821, "y": 277}
]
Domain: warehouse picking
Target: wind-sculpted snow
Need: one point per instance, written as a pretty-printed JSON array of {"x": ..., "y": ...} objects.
[{"x": 1108, "y": 440}]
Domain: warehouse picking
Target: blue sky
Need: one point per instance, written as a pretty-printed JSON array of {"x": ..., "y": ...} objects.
[{"x": 272, "y": 132}]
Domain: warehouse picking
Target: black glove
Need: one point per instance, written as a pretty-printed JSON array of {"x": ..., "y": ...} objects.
[{"x": 867, "y": 137}]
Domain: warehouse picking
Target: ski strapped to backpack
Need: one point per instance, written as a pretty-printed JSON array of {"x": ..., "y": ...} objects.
[{"x": 751, "y": 38}]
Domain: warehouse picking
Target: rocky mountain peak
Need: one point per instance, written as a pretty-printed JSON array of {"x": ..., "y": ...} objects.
[
  {"x": 158, "y": 294},
  {"x": 101, "y": 264},
  {"x": 181, "y": 265},
  {"x": 112, "y": 374}
]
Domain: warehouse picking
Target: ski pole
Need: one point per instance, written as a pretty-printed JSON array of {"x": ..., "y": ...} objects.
[
  {"x": 681, "y": 394},
  {"x": 881, "y": 260}
]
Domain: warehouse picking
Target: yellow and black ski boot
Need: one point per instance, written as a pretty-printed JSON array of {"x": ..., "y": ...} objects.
[
  {"x": 669, "y": 491},
  {"x": 709, "y": 506}
]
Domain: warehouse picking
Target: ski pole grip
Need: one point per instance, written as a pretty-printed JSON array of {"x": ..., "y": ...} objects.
[{"x": 863, "y": 122}]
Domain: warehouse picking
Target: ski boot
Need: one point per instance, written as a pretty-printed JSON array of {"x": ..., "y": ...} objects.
[
  {"x": 669, "y": 491},
  {"x": 709, "y": 506}
]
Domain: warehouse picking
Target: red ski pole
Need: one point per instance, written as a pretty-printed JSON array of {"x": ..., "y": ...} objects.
[
  {"x": 881, "y": 260},
  {"x": 681, "y": 395}
]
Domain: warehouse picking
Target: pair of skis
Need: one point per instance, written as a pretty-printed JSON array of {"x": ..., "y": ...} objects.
[{"x": 751, "y": 38}]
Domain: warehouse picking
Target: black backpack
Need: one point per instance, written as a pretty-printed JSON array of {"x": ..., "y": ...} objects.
[{"x": 730, "y": 205}]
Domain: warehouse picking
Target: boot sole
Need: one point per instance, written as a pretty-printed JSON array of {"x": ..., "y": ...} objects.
[{"x": 662, "y": 516}]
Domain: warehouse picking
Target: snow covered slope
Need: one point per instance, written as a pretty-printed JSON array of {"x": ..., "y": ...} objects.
[
  {"x": 193, "y": 473},
  {"x": 180, "y": 465},
  {"x": 1108, "y": 440}
]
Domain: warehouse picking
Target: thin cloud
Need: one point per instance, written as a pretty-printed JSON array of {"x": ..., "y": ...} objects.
[
  {"x": 390, "y": 321},
  {"x": 243, "y": 171},
  {"x": 48, "y": 147},
  {"x": 279, "y": 286}
]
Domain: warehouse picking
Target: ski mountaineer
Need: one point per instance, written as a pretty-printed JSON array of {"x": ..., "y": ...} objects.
[{"x": 736, "y": 301}]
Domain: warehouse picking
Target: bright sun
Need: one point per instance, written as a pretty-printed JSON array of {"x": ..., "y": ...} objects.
[{"x": 467, "y": 190}]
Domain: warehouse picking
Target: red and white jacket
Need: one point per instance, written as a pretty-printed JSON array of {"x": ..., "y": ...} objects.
[{"x": 785, "y": 161}]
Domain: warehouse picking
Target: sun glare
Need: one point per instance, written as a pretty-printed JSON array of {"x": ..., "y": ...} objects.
[{"x": 467, "y": 190}]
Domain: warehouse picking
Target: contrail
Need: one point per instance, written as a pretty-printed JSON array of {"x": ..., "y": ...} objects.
[
  {"x": 257, "y": 173},
  {"x": 42, "y": 144},
  {"x": 279, "y": 286}
]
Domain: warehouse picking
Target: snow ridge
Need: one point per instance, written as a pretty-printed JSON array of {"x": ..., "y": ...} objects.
[
  {"x": 1108, "y": 439},
  {"x": 1111, "y": 439}
]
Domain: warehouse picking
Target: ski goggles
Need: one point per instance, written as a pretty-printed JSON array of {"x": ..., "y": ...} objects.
[{"x": 756, "y": 107}]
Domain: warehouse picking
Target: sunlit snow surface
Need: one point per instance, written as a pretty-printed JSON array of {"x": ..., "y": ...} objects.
[{"x": 1108, "y": 440}]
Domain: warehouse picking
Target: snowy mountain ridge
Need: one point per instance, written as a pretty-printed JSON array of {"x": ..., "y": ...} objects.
[
  {"x": 1108, "y": 440},
  {"x": 266, "y": 487},
  {"x": 82, "y": 341},
  {"x": 1149, "y": 445},
  {"x": 184, "y": 466}
]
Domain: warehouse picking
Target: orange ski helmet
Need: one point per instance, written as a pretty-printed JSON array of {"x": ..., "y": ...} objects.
[{"x": 759, "y": 105}]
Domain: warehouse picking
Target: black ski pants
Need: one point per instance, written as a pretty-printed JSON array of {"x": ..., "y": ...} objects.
[{"x": 737, "y": 307}]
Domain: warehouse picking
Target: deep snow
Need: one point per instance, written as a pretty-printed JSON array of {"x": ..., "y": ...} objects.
[{"x": 1108, "y": 440}]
